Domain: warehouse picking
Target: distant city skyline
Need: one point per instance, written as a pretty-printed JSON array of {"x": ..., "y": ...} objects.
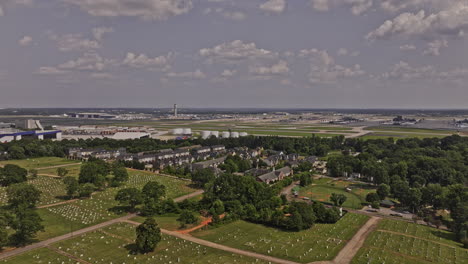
[{"x": 358, "y": 54}]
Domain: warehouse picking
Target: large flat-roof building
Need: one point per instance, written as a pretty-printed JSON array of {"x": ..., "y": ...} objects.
[
  {"x": 11, "y": 135},
  {"x": 92, "y": 115}
]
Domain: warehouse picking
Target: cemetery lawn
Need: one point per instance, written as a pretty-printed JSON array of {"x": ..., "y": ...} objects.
[
  {"x": 35, "y": 163},
  {"x": 101, "y": 207},
  {"x": 168, "y": 222},
  {"x": 113, "y": 244},
  {"x": 53, "y": 190},
  {"x": 39, "y": 256},
  {"x": 321, "y": 242},
  {"x": 403, "y": 242},
  {"x": 321, "y": 190}
]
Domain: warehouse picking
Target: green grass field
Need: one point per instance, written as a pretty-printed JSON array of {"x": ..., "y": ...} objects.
[
  {"x": 73, "y": 170},
  {"x": 168, "y": 222},
  {"x": 414, "y": 130},
  {"x": 64, "y": 218},
  {"x": 321, "y": 242},
  {"x": 321, "y": 190},
  {"x": 35, "y": 163},
  {"x": 403, "y": 242},
  {"x": 397, "y": 135},
  {"x": 111, "y": 245},
  {"x": 40, "y": 256},
  {"x": 52, "y": 190}
]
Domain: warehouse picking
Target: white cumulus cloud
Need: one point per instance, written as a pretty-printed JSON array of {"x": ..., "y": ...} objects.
[
  {"x": 25, "y": 41},
  {"x": 145, "y": 9},
  {"x": 277, "y": 69},
  {"x": 450, "y": 21},
  {"x": 274, "y": 6},
  {"x": 235, "y": 51}
]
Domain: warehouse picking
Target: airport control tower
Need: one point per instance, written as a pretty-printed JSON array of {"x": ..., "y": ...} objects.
[{"x": 175, "y": 110}]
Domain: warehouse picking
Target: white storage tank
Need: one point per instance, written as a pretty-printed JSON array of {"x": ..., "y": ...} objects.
[
  {"x": 187, "y": 131},
  {"x": 205, "y": 134},
  {"x": 177, "y": 131},
  {"x": 243, "y": 134},
  {"x": 225, "y": 135},
  {"x": 234, "y": 134},
  {"x": 215, "y": 133}
]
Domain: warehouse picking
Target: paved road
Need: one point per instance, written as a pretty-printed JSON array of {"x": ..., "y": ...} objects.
[
  {"x": 47, "y": 242},
  {"x": 220, "y": 247}
]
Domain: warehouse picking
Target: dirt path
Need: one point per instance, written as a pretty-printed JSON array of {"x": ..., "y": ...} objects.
[
  {"x": 349, "y": 251},
  {"x": 220, "y": 247},
  {"x": 58, "y": 166},
  {"x": 205, "y": 222},
  {"x": 420, "y": 238},
  {"x": 49, "y": 175},
  {"x": 70, "y": 256},
  {"x": 59, "y": 203},
  {"x": 45, "y": 243},
  {"x": 188, "y": 196}
]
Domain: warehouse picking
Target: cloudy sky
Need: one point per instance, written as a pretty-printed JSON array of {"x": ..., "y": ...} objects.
[{"x": 234, "y": 53}]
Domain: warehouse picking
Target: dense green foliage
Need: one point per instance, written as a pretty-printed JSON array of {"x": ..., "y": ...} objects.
[
  {"x": 242, "y": 197},
  {"x": 148, "y": 235},
  {"x": 234, "y": 163},
  {"x": 20, "y": 215},
  {"x": 420, "y": 173},
  {"x": 11, "y": 174}
]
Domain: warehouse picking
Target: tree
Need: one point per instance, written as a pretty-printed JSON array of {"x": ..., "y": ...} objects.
[
  {"x": 153, "y": 190},
  {"x": 23, "y": 195},
  {"x": 120, "y": 175},
  {"x": 413, "y": 199},
  {"x": 3, "y": 229},
  {"x": 94, "y": 172},
  {"x": 27, "y": 223},
  {"x": 218, "y": 207},
  {"x": 187, "y": 217},
  {"x": 372, "y": 197},
  {"x": 129, "y": 196},
  {"x": 62, "y": 172},
  {"x": 85, "y": 190},
  {"x": 16, "y": 152},
  {"x": 383, "y": 191},
  {"x": 338, "y": 199},
  {"x": 148, "y": 236},
  {"x": 305, "y": 179},
  {"x": 11, "y": 174},
  {"x": 202, "y": 177},
  {"x": 71, "y": 185}
]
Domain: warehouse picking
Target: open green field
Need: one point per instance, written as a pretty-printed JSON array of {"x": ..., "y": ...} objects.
[
  {"x": 168, "y": 222},
  {"x": 113, "y": 244},
  {"x": 40, "y": 256},
  {"x": 413, "y": 130},
  {"x": 321, "y": 242},
  {"x": 35, "y": 163},
  {"x": 397, "y": 135},
  {"x": 73, "y": 170},
  {"x": 403, "y": 242},
  {"x": 321, "y": 190}
]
